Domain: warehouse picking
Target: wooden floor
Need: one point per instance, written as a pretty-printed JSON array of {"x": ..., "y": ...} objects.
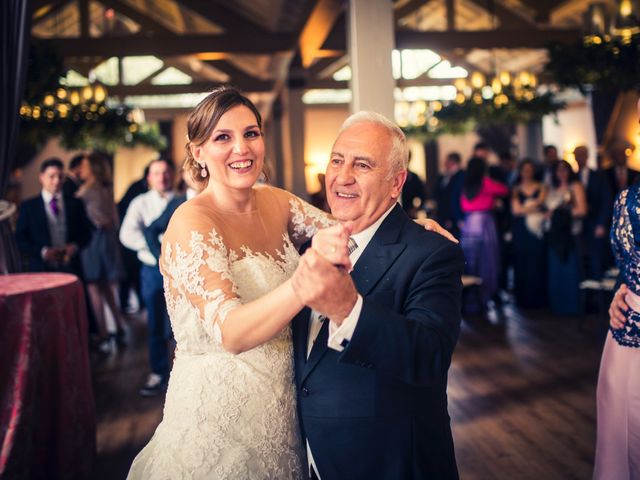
[{"x": 521, "y": 399}]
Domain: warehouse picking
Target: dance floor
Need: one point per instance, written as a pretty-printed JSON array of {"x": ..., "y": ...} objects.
[{"x": 521, "y": 398}]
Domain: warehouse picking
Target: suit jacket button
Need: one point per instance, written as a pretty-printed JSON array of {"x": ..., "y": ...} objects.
[{"x": 304, "y": 391}]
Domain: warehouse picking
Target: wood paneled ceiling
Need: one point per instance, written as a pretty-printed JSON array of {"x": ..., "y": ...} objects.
[{"x": 263, "y": 45}]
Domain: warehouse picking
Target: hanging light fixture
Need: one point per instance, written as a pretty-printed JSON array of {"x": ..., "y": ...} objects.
[{"x": 626, "y": 22}]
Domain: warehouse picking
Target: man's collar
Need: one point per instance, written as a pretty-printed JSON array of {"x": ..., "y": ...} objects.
[
  {"x": 364, "y": 237},
  {"x": 47, "y": 196}
]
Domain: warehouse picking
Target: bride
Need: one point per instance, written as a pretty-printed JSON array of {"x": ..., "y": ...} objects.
[{"x": 227, "y": 258}]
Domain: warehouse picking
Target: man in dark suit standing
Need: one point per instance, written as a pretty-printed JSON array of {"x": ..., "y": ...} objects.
[
  {"x": 52, "y": 227},
  {"x": 595, "y": 231},
  {"x": 373, "y": 350},
  {"x": 447, "y": 194}
]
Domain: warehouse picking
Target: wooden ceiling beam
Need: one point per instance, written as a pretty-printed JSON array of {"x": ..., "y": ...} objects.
[
  {"x": 508, "y": 19},
  {"x": 257, "y": 86},
  {"x": 317, "y": 29},
  {"x": 484, "y": 39},
  {"x": 222, "y": 16},
  {"x": 167, "y": 45},
  {"x": 44, "y": 10},
  {"x": 145, "y": 21},
  {"x": 401, "y": 83},
  {"x": 544, "y": 8},
  {"x": 408, "y": 8},
  {"x": 236, "y": 74}
]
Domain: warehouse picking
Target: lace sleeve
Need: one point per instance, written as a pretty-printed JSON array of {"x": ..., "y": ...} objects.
[
  {"x": 305, "y": 220},
  {"x": 195, "y": 266}
]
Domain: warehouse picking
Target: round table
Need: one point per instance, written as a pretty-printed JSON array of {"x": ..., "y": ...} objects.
[{"x": 47, "y": 415}]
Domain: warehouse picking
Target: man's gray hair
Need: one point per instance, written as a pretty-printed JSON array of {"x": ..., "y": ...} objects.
[{"x": 399, "y": 152}]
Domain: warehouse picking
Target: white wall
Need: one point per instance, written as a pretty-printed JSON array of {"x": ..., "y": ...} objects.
[{"x": 574, "y": 127}]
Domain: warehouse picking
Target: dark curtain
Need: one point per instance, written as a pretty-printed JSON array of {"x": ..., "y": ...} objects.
[{"x": 15, "y": 24}]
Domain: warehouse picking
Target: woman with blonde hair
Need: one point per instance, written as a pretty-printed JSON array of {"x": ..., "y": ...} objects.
[{"x": 101, "y": 258}]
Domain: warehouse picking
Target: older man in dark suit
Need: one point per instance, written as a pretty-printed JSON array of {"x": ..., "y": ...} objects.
[
  {"x": 52, "y": 227},
  {"x": 373, "y": 350}
]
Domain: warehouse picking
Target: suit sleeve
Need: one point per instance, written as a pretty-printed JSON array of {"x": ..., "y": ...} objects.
[
  {"x": 158, "y": 227},
  {"x": 25, "y": 236},
  {"x": 415, "y": 344}
]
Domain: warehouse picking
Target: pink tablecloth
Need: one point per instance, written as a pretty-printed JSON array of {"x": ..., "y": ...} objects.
[{"x": 47, "y": 414}]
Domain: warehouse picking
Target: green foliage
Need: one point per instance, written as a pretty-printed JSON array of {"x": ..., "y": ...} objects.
[
  {"x": 604, "y": 64},
  {"x": 458, "y": 118},
  {"x": 85, "y": 125}
]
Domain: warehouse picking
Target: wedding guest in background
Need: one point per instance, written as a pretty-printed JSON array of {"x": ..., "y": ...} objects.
[
  {"x": 550, "y": 158},
  {"x": 101, "y": 257},
  {"x": 620, "y": 176},
  {"x": 413, "y": 193},
  {"x": 479, "y": 235},
  {"x": 567, "y": 205},
  {"x": 597, "y": 220},
  {"x": 153, "y": 233},
  {"x": 447, "y": 194},
  {"x": 52, "y": 227},
  {"x": 481, "y": 150},
  {"x": 144, "y": 209},
  {"x": 72, "y": 179},
  {"x": 130, "y": 284},
  {"x": 529, "y": 252}
]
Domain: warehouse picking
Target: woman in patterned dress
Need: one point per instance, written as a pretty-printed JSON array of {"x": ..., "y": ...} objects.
[{"x": 618, "y": 394}]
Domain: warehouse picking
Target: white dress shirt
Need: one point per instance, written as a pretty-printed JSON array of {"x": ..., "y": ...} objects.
[
  {"x": 339, "y": 335},
  {"x": 142, "y": 211},
  {"x": 57, "y": 224}
]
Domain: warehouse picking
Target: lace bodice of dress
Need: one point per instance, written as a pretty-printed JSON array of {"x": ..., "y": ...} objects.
[
  {"x": 625, "y": 240},
  {"x": 213, "y": 261},
  {"x": 228, "y": 416}
]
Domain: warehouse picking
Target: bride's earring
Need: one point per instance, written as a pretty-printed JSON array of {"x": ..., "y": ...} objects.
[{"x": 203, "y": 172}]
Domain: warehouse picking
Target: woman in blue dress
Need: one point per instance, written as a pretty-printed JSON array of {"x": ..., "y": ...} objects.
[
  {"x": 567, "y": 205},
  {"x": 618, "y": 395}
]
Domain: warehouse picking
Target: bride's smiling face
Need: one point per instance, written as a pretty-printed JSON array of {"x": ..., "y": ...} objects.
[{"x": 234, "y": 154}]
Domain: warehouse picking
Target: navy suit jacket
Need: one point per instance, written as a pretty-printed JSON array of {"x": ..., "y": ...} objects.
[
  {"x": 160, "y": 224},
  {"x": 379, "y": 408},
  {"x": 32, "y": 231}
]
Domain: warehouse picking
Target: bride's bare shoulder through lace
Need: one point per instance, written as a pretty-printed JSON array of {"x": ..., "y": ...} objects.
[
  {"x": 304, "y": 220},
  {"x": 195, "y": 265}
]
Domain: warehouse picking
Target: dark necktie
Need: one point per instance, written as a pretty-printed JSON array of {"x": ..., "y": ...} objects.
[{"x": 54, "y": 206}]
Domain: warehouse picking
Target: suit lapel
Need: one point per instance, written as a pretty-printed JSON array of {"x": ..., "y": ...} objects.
[
  {"x": 41, "y": 220},
  {"x": 381, "y": 252}
]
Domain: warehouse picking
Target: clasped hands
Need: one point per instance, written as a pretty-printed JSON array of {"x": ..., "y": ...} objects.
[
  {"x": 322, "y": 280},
  {"x": 60, "y": 255}
]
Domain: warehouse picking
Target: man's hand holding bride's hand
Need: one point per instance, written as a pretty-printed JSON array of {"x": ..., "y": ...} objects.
[
  {"x": 323, "y": 286},
  {"x": 332, "y": 244}
]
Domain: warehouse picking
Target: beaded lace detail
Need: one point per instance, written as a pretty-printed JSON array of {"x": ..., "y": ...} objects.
[
  {"x": 625, "y": 239},
  {"x": 228, "y": 416}
]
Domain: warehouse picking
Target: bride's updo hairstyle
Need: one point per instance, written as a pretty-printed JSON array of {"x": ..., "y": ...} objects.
[{"x": 203, "y": 120}]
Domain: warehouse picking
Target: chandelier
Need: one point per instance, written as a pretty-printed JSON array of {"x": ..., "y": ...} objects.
[
  {"x": 69, "y": 104},
  {"x": 600, "y": 26},
  {"x": 503, "y": 88}
]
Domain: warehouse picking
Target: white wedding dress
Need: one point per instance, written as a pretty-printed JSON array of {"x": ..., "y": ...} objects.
[{"x": 228, "y": 416}]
